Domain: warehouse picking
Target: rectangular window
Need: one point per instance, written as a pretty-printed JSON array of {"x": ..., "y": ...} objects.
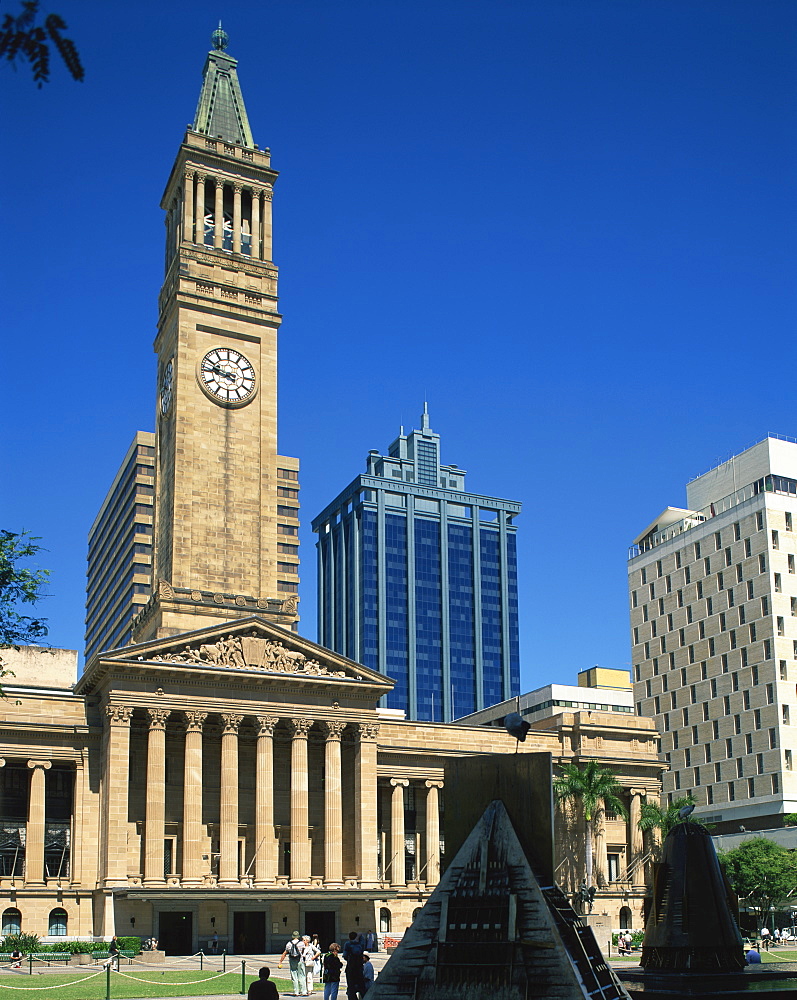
[
  {"x": 693, "y": 694},
  {"x": 707, "y": 566},
  {"x": 731, "y": 598},
  {"x": 757, "y": 718},
  {"x": 739, "y": 767},
  {"x": 703, "y": 670},
  {"x": 678, "y": 559},
  {"x": 746, "y": 698},
  {"x": 755, "y": 676},
  {"x": 643, "y": 576},
  {"x": 790, "y": 559},
  {"x": 739, "y": 573},
  {"x": 781, "y": 625},
  {"x": 744, "y": 655},
  {"x": 762, "y": 563},
  {"x": 773, "y": 739},
  {"x": 724, "y": 661},
  {"x": 713, "y": 687},
  {"x": 707, "y": 748},
  {"x": 287, "y": 529},
  {"x": 794, "y": 605},
  {"x": 731, "y": 792},
  {"x": 683, "y": 676},
  {"x": 673, "y": 700},
  {"x": 737, "y": 724},
  {"x": 680, "y": 597},
  {"x": 705, "y": 711},
  {"x": 657, "y": 705},
  {"x": 658, "y": 567},
  {"x": 778, "y": 583},
  {"x": 742, "y": 614},
  {"x": 723, "y": 624},
  {"x": 685, "y": 715},
  {"x": 770, "y": 694},
  {"x": 789, "y": 763},
  {"x": 729, "y": 748},
  {"x": 702, "y": 629},
  {"x": 709, "y": 796},
  {"x": 668, "y": 581},
  {"x": 749, "y": 590},
  {"x": 759, "y": 521},
  {"x": 689, "y": 615},
  {"x": 775, "y": 784},
  {"x": 652, "y": 590},
  {"x": 634, "y": 598},
  {"x": 750, "y": 788},
  {"x": 775, "y": 540},
  {"x": 753, "y": 635},
  {"x": 717, "y": 772},
  {"x": 748, "y": 743},
  {"x": 687, "y": 575},
  {"x": 784, "y": 671},
  {"x": 697, "y": 550},
  {"x": 788, "y": 520},
  {"x": 735, "y": 681},
  {"x": 733, "y": 638},
  {"x": 677, "y": 779},
  {"x": 717, "y": 541},
  {"x": 727, "y": 702},
  {"x": 688, "y": 757},
  {"x": 748, "y": 548},
  {"x": 715, "y": 729},
  {"x": 760, "y": 763},
  {"x": 681, "y": 637},
  {"x": 720, "y": 581}
]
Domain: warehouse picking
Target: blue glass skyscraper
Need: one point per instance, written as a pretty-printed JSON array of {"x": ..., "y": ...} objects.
[{"x": 418, "y": 579}]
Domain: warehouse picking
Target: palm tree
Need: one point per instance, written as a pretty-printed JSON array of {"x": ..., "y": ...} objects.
[
  {"x": 653, "y": 816},
  {"x": 596, "y": 788}
]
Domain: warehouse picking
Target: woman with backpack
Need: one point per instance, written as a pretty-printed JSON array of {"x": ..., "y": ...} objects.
[{"x": 293, "y": 952}]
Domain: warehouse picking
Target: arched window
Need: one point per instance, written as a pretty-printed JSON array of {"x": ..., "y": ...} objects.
[
  {"x": 12, "y": 921},
  {"x": 625, "y": 918},
  {"x": 417, "y": 912},
  {"x": 56, "y": 926},
  {"x": 384, "y": 920}
]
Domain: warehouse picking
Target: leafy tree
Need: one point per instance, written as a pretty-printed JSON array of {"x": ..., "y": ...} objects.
[
  {"x": 761, "y": 872},
  {"x": 22, "y": 36},
  {"x": 19, "y": 585},
  {"x": 653, "y": 816},
  {"x": 594, "y": 788}
]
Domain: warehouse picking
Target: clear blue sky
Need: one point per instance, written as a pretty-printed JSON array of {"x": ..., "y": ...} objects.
[{"x": 569, "y": 224}]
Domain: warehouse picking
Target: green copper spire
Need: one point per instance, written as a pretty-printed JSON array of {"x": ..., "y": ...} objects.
[{"x": 220, "y": 111}]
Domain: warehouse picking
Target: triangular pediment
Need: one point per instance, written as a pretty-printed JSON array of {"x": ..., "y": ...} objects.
[{"x": 250, "y": 645}]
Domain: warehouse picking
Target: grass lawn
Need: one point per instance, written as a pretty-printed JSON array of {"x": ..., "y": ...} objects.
[
  {"x": 779, "y": 955},
  {"x": 183, "y": 984}
]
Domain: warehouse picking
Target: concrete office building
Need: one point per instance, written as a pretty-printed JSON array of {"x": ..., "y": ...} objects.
[
  {"x": 418, "y": 579},
  {"x": 713, "y": 590},
  {"x": 119, "y": 575}
]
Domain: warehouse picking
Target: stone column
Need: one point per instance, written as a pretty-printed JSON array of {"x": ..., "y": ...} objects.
[
  {"x": 218, "y": 217},
  {"x": 228, "y": 839},
  {"x": 366, "y": 829},
  {"x": 256, "y": 193},
  {"x": 236, "y": 218},
  {"x": 155, "y": 825},
  {"x": 34, "y": 837},
  {"x": 333, "y": 805},
  {"x": 398, "y": 875},
  {"x": 265, "y": 858},
  {"x": 635, "y": 837},
  {"x": 192, "y": 799},
  {"x": 268, "y": 194},
  {"x": 300, "y": 833},
  {"x": 188, "y": 206},
  {"x": 76, "y": 837},
  {"x": 199, "y": 222},
  {"x": 116, "y": 768},
  {"x": 432, "y": 833}
]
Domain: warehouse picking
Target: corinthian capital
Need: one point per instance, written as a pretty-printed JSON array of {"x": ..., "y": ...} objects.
[
  {"x": 266, "y": 724},
  {"x": 118, "y": 715},
  {"x": 158, "y": 717},
  {"x": 301, "y": 727},
  {"x": 334, "y": 730},
  {"x": 194, "y": 721},
  {"x": 232, "y": 722},
  {"x": 369, "y": 731}
]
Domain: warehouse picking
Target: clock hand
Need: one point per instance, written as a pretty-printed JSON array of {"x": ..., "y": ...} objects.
[{"x": 221, "y": 371}]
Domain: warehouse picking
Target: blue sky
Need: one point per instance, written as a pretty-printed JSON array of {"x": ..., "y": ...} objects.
[{"x": 569, "y": 224}]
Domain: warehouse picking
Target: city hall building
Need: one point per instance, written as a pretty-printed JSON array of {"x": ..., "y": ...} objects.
[{"x": 211, "y": 771}]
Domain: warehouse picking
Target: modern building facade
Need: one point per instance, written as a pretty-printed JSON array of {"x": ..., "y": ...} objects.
[
  {"x": 713, "y": 590},
  {"x": 418, "y": 579},
  {"x": 119, "y": 575}
]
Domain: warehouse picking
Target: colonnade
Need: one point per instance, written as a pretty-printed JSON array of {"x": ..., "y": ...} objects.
[
  {"x": 200, "y": 219},
  {"x": 265, "y": 867}
]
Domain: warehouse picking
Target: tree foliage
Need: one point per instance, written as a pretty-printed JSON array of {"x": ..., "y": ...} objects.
[
  {"x": 19, "y": 585},
  {"x": 22, "y": 37},
  {"x": 654, "y": 816},
  {"x": 761, "y": 872},
  {"x": 595, "y": 788}
]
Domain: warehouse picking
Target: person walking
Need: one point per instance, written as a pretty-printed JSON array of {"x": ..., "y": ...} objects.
[
  {"x": 353, "y": 955},
  {"x": 332, "y": 968},
  {"x": 262, "y": 988},
  {"x": 215, "y": 943},
  {"x": 368, "y": 972},
  {"x": 309, "y": 954},
  {"x": 113, "y": 954},
  {"x": 293, "y": 952}
]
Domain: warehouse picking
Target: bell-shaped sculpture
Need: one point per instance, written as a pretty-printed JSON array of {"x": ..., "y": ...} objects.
[{"x": 692, "y": 924}]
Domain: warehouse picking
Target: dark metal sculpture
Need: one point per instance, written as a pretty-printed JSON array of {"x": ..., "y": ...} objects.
[{"x": 693, "y": 924}]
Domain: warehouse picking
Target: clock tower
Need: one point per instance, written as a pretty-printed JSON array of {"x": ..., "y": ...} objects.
[{"x": 226, "y": 503}]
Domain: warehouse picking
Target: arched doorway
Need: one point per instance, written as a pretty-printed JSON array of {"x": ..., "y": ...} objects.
[{"x": 625, "y": 918}]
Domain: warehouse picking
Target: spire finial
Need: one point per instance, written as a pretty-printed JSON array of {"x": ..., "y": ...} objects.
[
  {"x": 220, "y": 38},
  {"x": 425, "y": 417}
]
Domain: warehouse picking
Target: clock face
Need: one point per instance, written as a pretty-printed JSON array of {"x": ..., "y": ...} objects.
[
  {"x": 227, "y": 377},
  {"x": 166, "y": 387}
]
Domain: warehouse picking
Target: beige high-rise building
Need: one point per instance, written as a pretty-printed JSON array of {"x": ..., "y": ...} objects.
[
  {"x": 226, "y": 503},
  {"x": 714, "y": 630}
]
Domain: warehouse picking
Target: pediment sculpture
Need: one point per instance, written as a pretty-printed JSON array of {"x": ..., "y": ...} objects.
[{"x": 247, "y": 652}]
